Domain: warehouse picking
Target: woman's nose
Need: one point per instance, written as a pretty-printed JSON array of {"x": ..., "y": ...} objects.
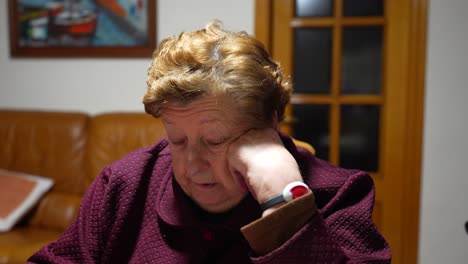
[{"x": 196, "y": 159}]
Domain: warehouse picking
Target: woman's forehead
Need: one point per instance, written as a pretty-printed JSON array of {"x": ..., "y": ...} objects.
[{"x": 205, "y": 109}]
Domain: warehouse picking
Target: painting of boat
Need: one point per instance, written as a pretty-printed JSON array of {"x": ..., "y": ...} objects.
[
  {"x": 74, "y": 20},
  {"x": 84, "y": 23}
]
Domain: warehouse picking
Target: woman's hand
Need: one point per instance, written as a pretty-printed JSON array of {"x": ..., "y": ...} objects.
[{"x": 259, "y": 159}]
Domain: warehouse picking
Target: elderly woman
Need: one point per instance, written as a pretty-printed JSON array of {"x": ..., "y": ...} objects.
[{"x": 225, "y": 186}]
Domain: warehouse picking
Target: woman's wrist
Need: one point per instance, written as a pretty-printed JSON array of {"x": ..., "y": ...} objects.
[
  {"x": 272, "y": 209},
  {"x": 291, "y": 191}
]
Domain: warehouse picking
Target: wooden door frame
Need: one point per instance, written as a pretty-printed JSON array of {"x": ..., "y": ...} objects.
[
  {"x": 416, "y": 65},
  {"x": 414, "y": 134}
]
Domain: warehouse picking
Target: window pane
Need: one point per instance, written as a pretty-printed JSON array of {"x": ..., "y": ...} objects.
[
  {"x": 359, "y": 137},
  {"x": 312, "y": 60},
  {"x": 362, "y": 60},
  {"x": 314, "y": 8},
  {"x": 363, "y": 7},
  {"x": 312, "y": 126}
]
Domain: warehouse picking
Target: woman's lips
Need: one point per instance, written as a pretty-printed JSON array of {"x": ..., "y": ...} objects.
[{"x": 205, "y": 186}]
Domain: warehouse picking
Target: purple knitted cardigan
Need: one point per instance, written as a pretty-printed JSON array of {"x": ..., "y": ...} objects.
[{"x": 135, "y": 212}]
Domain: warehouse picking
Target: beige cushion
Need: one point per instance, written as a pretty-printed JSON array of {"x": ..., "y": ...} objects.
[{"x": 19, "y": 192}]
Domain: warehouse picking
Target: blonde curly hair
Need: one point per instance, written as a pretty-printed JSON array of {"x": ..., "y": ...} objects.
[{"x": 213, "y": 61}]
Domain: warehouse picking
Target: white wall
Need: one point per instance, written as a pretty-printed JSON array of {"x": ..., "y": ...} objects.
[
  {"x": 99, "y": 85},
  {"x": 444, "y": 207}
]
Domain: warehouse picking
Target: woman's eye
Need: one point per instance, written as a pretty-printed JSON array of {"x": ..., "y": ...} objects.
[
  {"x": 215, "y": 142},
  {"x": 177, "y": 142}
]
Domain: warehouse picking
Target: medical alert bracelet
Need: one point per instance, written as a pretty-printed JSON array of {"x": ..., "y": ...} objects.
[{"x": 292, "y": 191}]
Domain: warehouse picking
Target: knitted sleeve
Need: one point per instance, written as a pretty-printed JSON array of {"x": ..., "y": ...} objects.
[
  {"x": 341, "y": 232},
  {"x": 81, "y": 242}
]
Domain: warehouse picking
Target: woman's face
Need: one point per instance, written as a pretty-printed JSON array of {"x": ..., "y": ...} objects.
[{"x": 199, "y": 135}]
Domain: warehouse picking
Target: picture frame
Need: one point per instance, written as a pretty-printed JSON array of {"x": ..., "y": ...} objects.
[{"x": 82, "y": 28}]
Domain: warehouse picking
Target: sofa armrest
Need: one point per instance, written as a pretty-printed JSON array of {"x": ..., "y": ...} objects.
[{"x": 56, "y": 211}]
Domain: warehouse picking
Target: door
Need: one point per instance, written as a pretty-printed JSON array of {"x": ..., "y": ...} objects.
[{"x": 357, "y": 68}]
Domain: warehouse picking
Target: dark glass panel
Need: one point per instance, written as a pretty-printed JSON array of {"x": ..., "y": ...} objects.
[
  {"x": 363, "y": 7},
  {"x": 314, "y": 8},
  {"x": 312, "y": 60},
  {"x": 359, "y": 137},
  {"x": 312, "y": 126},
  {"x": 362, "y": 60}
]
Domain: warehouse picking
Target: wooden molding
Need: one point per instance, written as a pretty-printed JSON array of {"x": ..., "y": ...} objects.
[
  {"x": 263, "y": 9},
  {"x": 416, "y": 86}
]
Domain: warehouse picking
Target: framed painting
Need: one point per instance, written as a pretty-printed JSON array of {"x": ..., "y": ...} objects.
[{"x": 82, "y": 28}]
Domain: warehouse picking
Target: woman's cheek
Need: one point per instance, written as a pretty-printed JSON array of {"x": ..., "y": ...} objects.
[{"x": 178, "y": 163}]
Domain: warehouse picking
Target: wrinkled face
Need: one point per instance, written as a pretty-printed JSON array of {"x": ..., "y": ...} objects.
[{"x": 199, "y": 135}]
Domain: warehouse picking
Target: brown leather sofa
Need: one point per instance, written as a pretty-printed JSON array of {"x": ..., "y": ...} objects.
[{"x": 70, "y": 148}]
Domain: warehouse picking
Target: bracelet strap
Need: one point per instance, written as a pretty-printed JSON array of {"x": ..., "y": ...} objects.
[
  {"x": 272, "y": 202},
  {"x": 291, "y": 191}
]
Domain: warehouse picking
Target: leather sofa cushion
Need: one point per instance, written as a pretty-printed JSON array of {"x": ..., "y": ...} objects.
[
  {"x": 49, "y": 144},
  {"x": 112, "y": 135}
]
